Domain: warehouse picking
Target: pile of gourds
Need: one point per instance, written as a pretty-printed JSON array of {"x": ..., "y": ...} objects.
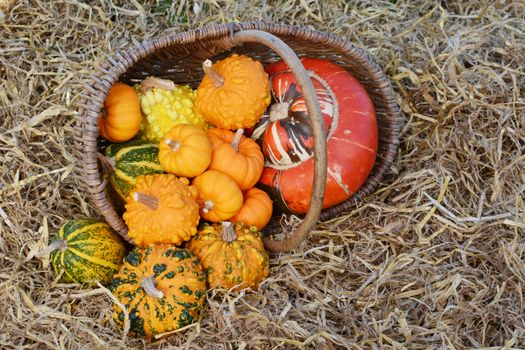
[
  {"x": 184, "y": 184},
  {"x": 182, "y": 175}
]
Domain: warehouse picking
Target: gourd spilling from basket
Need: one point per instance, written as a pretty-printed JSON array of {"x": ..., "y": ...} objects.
[{"x": 191, "y": 178}]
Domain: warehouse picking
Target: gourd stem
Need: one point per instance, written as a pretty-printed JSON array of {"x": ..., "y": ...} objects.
[
  {"x": 175, "y": 145},
  {"x": 150, "y": 201},
  {"x": 59, "y": 244},
  {"x": 212, "y": 74},
  {"x": 152, "y": 82},
  {"x": 228, "y": 232},
  {"x": 208, "y": 205},
  {"x": 279, "y": 111},
  {"x": 148, "y": 283},
  {"x": 108, "y": 163},
  {"x": 237, "y": 139}
]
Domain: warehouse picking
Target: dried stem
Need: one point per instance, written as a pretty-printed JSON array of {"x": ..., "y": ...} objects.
[
  {"x": 228, "y": 232},
  {"x": 208, "y": 205},
  {"x": 175, "y": 145},
  {"x": 150, "y": 201},
  {"x": 152, "y": 82},
  {"x": 108, "y": 163},
  {"x": 237, "y": 139},
  {"x": 60, "y": 244},
  {"x": 211, "y": 73},
  {"x": 279, "y": 111},
  {"x": 148, "y": 283}
]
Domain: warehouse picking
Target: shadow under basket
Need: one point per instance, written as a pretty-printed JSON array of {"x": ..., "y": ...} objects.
[{"x": 179, "y": 57}]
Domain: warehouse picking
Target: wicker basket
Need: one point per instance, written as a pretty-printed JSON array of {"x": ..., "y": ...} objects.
[{"x": 179, "y": 57}]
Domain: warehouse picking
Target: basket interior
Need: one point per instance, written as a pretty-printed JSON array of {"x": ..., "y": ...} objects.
[{"x": 182, "y": 64}]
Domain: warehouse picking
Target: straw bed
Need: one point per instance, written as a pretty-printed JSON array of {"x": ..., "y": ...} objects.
[{"x": 435, "y": 258}]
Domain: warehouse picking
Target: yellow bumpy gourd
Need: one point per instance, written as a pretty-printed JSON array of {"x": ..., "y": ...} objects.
[{"x": 164, "y": 105}]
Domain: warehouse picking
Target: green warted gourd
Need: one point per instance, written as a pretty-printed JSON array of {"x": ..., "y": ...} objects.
[
  {"x": 127, "y": 161},
  {"x": 162, "y": 287}
]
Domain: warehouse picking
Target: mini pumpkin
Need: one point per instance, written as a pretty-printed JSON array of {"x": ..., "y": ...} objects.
[
  {"x": 219, "y": 197},
  {"x": 237, "y": 156},
  {"x": 234, "y": 92},
  {"x": 120, "y": 120},
  {"x": 256, "y": 210},
  {"x": 162, "y": 209},
  {"x": 86, "y": 250},
  {"x": 185, "y": 151},
  {"x": 166, "y": 104},
  {"x": 233, "y": 255},
  {"x": 162, "y": 287}
]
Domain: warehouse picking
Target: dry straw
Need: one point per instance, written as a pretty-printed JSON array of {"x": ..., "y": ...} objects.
[{"x": 434, "y": 259}]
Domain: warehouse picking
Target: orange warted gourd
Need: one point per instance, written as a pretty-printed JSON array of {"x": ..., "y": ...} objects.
[
  {"x": 233, "y": 255},
  {"x": 219, "y": 197},
  {"x": 185, "y": 151},
  {"x": 121, "y": 115},
  {"x": 162, "y": 209},
  {"x": 256, "y": 210},
  {"x": 162, "y": 287},
  {"x": 237, "y": 156},
  {"x": 234, "y": 92}
]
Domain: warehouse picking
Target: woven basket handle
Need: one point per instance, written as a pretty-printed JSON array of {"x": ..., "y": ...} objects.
[{"x": 317, "y": 123}]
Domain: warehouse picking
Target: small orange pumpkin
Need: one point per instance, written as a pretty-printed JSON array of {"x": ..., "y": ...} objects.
[
  {"x": 237, "y": 156},
  {"x": 185, "y": 151},
  {"x": 218, "y": 196},
  {"x": 256, "y": 210},
  {"x": 121, "y": 116},
  {"x": 234, "y": 92}
]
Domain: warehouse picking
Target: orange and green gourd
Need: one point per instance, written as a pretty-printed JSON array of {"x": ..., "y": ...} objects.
[
  {"x": 233, "y": 255},
  {"x": 233, "y": 93},
  {"x": 165, "y": 104},
  {"x": 85, "y": 251},
  {"x": 162, "y": 209},
  {"x": 162, "y": 288},
  {"x": 185, "y": 151},
  {"x": 126, "y": 161}
]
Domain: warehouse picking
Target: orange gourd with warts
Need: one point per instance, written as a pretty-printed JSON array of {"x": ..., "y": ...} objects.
[
  {"x": 232, "y": 254},
  {"x": 234, "y": 92},
  {"x": 162, "y": 209}
]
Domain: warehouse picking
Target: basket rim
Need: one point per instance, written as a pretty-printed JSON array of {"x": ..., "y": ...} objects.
[{"x": 110, "y": 71}]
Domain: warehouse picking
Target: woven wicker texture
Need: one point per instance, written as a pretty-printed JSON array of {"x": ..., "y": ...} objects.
[{"x": 179, "y": 58}]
